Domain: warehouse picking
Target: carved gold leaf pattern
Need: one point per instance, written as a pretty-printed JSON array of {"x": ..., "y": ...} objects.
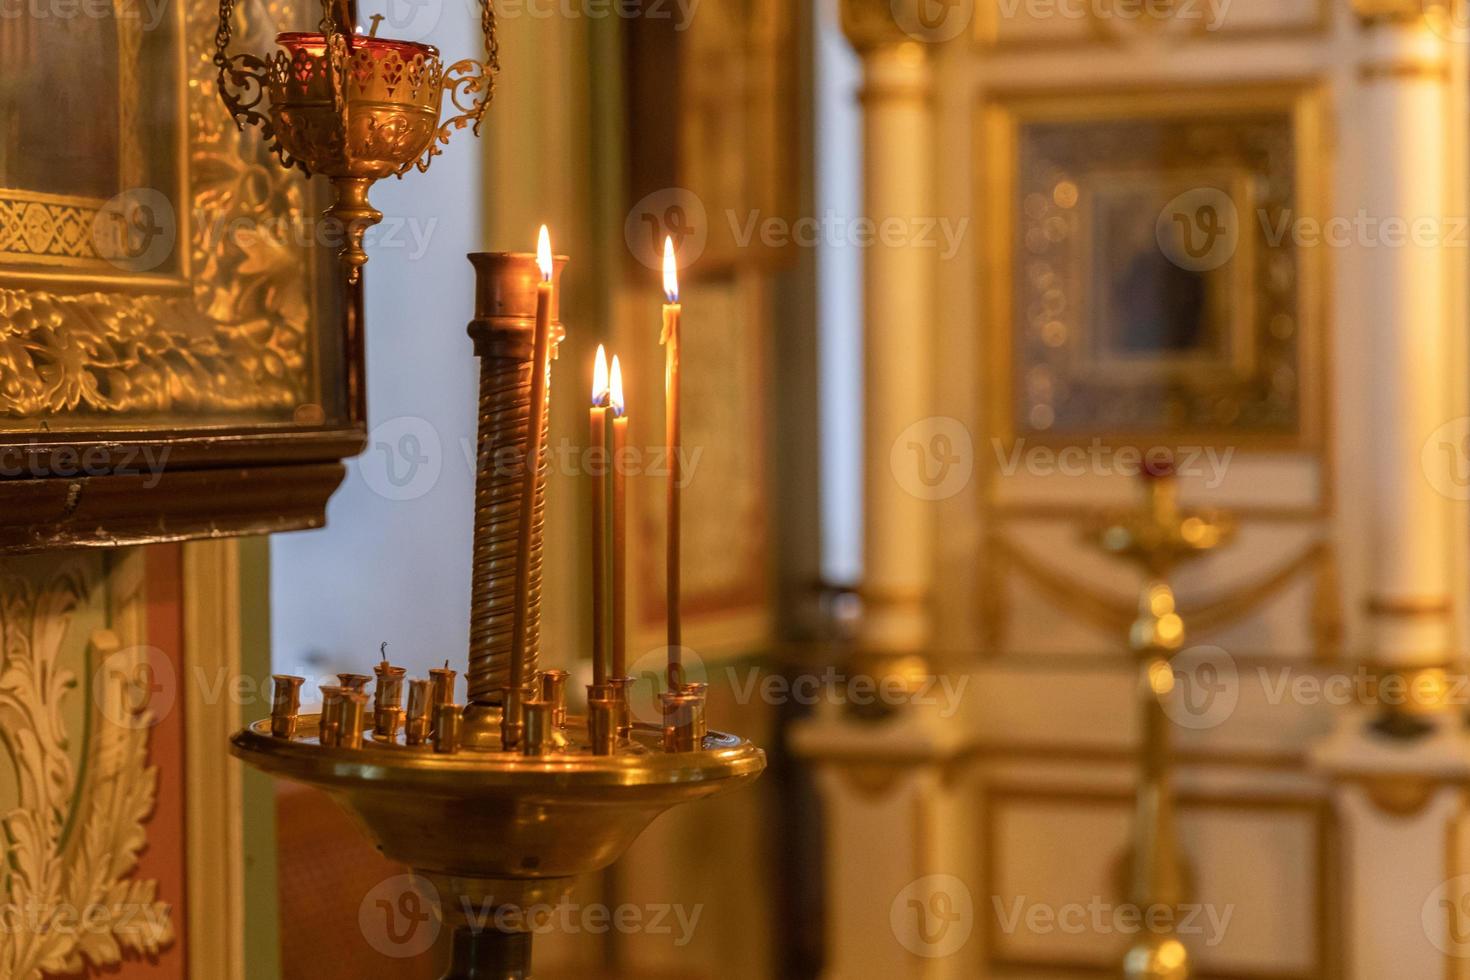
[
  {"x": 237, "y": 340},
  {"x": 70, "y": 849}
]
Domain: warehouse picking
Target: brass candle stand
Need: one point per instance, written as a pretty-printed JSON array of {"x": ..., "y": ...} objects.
[
  {"x": 496, "y": 823},
  {"x": 1157, "y": 537}
]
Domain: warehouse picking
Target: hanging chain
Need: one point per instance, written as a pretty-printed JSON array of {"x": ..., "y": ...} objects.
[
  {"x": 492, "y": 39},
  {"x": 222, "y": 35}
]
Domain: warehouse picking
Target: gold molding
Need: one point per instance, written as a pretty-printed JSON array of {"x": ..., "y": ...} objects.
[
  {"x": 870, "y": 24},
  {"x": 1070, "y": 595},
  {"x": 74, "y": 839},
  {"x": 1374, "y": 71},
  {"x": 1327, "y": 906},
  {"x": 987, "y": 32},
  {"x": 1373, "y": 12},
  {"x": 214, "y": 805},
  {"x": 1409, "y": 607}
]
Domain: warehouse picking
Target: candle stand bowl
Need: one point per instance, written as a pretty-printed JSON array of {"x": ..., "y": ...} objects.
[{"x": 497, "y": 830}]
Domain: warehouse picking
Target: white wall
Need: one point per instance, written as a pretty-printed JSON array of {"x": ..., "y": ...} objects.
[{"x": 385, "y": 568}]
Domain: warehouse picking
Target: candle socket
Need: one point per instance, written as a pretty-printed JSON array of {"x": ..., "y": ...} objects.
[
  {"x": 330, "y": 726},
  {"x": 681, "y": 721},
  {"x": 512, "y": 723},
  {"x": 386, "y": 722},
  {"x": 621, "y": 688},
  {"x": 602, "y": 725},
  {"x": 441, "y": 691},
  {"x": 354, "y": 719},
  {"x": 356, "y": 683},
  {"x": 417, "y": 727},
  {"x": 448, "y": 718},
  {"x": 554, "y": 692},
  {"x": 389, "y": 692},
  {"x": 286, "y": 705},
  {"x": 538, "y": 737},
  {"x": 700, "y": 692},
  {"x": 503, "y": 331}
]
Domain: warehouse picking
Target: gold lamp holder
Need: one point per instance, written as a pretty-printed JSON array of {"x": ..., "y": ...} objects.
[
  {"x": 1157, "y": 537},
  {"x": 354, "y": 108}
]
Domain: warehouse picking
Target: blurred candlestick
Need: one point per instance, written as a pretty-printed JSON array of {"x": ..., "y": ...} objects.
[{"x": 673, "y": 434}]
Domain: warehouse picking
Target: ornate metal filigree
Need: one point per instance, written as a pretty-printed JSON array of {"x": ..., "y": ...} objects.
[
  {"x": 242, "y": 343},
  {"x": 71, "y": 848}
]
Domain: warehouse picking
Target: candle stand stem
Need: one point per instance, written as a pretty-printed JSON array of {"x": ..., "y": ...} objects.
[{"x": 489, "y": 954}]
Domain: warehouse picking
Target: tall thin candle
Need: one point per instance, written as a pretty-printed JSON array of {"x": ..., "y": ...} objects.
[
  {"x": 618, "y": 406},
  {"x": 673, "y": 434},
  {"x": 540, "y": 368},
  {"x": 599, "y": 463}
]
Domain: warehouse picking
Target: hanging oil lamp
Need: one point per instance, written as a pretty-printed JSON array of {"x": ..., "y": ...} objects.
[{"x": 352, "y": 107}]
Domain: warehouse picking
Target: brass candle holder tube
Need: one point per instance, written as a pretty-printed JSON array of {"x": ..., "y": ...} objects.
[
  {"x": 503, "y": 332},
  {"x": 286, "y": 705},
  {"x": 554, "y": 692},
  {"x": 416, "y": 729}
]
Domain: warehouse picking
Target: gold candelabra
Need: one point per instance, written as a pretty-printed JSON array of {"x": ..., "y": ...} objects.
[
  {"x": 502, "y": 801},
  {"x": 1157, "y": 537}
]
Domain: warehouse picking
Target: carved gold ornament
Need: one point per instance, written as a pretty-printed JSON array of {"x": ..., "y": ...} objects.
[
  {"x": 231, "y": 335},
  {"x": 71, "y": 845}
]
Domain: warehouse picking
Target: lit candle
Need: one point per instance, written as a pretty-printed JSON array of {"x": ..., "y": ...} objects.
[
  {"x": 670, "y": 340},
  {"x": 597, "y": 440},
  {"x": 540, "y": 368},
  {"x": 618, "y": 406}
]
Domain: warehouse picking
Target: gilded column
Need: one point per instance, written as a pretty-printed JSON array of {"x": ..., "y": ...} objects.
[
  {"x": 898, "y": 296},
  {"x": 1397, "y": 779},
  {"x": 1403, "y": 79}
]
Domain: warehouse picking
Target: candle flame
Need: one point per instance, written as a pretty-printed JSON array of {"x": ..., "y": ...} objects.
[
  {"x": 671, "y": 271},
  {"x": 599, "y": 378},
  {"x": 543, "y": 254},
  {"x": 615, "y": 389}
]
